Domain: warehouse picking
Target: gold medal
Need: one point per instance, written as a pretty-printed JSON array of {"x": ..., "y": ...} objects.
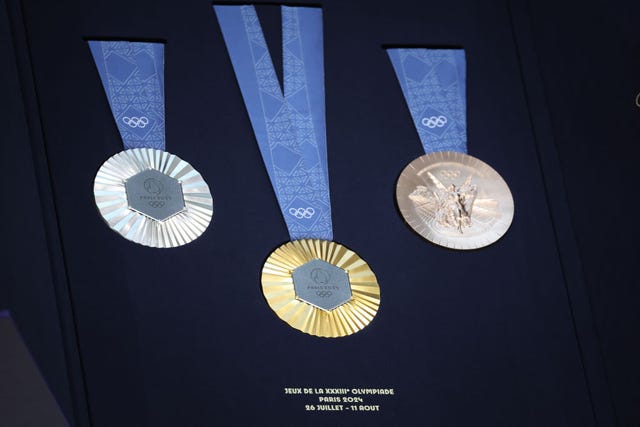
[
  {"x": 454, "y": 200},
  {"x": 320, "y": 288},
  {"x": 153, "y": 198}
]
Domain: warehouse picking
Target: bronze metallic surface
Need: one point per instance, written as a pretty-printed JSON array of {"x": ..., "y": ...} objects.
[
  {"x": 349, "y": 317},
  {"x": 454, "y": 200},
  {"x": 178, "y": 229}
]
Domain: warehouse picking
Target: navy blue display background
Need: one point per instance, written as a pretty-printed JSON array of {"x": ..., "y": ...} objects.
[
  {"x": 183, "y": 337},
  {"x": 24, "y": 397},
  {"x": 591, "y": 85}
]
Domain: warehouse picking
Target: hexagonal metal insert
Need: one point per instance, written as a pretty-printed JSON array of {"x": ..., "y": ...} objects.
[
  {"x": 154, "y": 194},
  {"x": 321, "y": 284}
]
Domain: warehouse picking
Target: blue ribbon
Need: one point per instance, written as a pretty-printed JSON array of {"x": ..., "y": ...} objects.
[
  {"x": 433, "y": 83},
  {"x": 289, "y": 125},
  {"x": 132, "y": 75}
]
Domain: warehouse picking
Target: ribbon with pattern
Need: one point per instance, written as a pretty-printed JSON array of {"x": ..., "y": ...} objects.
[
  {"x": 132, "y": 75},
  {"x": 289, "y": 124},
  {"x": 433, "y": 84}
]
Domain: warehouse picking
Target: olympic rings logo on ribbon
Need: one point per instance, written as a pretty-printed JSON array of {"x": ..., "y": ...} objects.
[
  {"x": 324, "y": 294},
  {"x": 301, "y": 213},
  {"x": 156, "y": 204},
  {"x": 136, "y": 122},
  {"x": 434, "y": 121}
]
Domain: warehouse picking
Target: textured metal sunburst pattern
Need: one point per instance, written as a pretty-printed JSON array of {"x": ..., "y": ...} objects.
[
  {"x": 347, "y": 318},
  {"x": 454, "y": 200},
  {"x": 176, "y": 228}
]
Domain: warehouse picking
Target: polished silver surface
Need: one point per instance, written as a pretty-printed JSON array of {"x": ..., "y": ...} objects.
[
  {"x": 454, "y": 200},
  {"x": 153, "y": 198},
  {"x": 321, "y": 284}
]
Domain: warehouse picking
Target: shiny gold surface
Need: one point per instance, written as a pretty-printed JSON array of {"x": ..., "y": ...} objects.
[
  {"x": 454, "y": 200},
  {"x": 179, "y": 229},
  {"x": 346, "y": 319}
]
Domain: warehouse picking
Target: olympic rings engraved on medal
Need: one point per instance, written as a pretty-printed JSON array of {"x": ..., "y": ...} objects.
[
  {"x": 434, "y": 121},
  {"x": 301, "y": 213},
  {"x": 136, "y": 122},
  {"x": 450, "y": 174},
  {"x": 324, "y": 294},
  {"x": 156, "y": 204}
]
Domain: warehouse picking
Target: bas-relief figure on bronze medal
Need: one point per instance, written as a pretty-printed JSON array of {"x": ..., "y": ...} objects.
[
  {"x": 454, "y": 200},
  {"x": 452, "y": 206}
]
